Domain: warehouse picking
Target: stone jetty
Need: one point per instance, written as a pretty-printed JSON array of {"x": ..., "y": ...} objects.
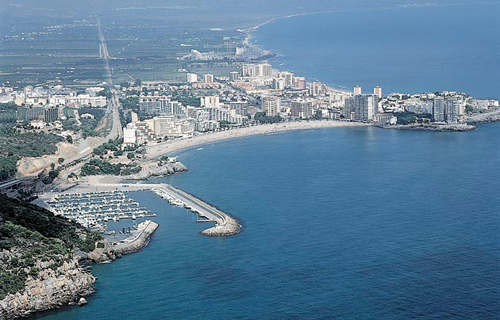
[
  {"x": 145, "y": 231},
  {"x": 225, "y": 224}
]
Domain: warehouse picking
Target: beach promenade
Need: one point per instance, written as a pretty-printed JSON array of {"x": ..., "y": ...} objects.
[{"x": 172, "y": 146}]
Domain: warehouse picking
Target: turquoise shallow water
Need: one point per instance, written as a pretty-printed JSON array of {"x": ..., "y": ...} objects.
[
  {"x": 410, "y": 50},
  {"x": 353, "y": 223}
]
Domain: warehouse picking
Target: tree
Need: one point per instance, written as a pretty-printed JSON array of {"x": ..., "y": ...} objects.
[
  {"x": 263, "y": 118},
  {"x": 52, "y": 166},
  {"x": 130, "y": 156},
  {"x": 60, "y": 160},
  {"x": 69, "y": 139},
  {"x": 54, "y": 174}
]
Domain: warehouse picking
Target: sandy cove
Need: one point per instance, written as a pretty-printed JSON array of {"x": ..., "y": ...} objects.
[{"x": 169, "y": 147}]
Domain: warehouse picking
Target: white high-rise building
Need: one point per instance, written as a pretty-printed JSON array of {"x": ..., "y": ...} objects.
[
  {"x": 454, "y": 108},
  {"x": 234, "y": 75},
  {"x": 266, "y": 70},
  {"x": 299, "y": 83},
  {"x": 377, "y": 91},
  {"x": 357, "y": 90},
  {"x": 210, "y": 101},
  {"x": 278, "y": 84},
  {"x": 208, "y": 78},
  {"x": 129, "y": 135},
  {"x": 263, "y": 70},
  {"x": 161, "y": 105},
  {"x": 192, "y": 77},
  {"x": 317, "y": 88},
  {"x": 302, "y": 109},
  {"x": 288, "y": 77}
]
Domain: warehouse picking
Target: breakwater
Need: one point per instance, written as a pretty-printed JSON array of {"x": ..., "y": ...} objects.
[
  {"x": 225, "y": 224},
  {"x": 145, "y": 231}
]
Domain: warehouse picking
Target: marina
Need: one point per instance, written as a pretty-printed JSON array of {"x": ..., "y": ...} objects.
[
  {"x": 110, "y": 203},
  {"x": 94, "y": 209}
]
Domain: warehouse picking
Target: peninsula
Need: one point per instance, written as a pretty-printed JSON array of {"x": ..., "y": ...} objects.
[{"x": 75, "y": 148}]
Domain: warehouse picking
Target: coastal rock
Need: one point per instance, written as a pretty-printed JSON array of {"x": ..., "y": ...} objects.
[
  {"x": 138, "y": 243},
  {"x": 51, "y": 289},
  {"x": 165, "y": 169},
  {"x": 66, "y": 285},
  {"x": 231, "y": 227},
  {"x": 485, "y": 117},
  {"x": 104, "y": 254},
  {"x": 459, "y": 127}
]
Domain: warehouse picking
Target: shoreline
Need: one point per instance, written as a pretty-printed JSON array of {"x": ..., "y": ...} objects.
[
  {"x": 174, "y": 146},
  {"x": 249, "y": 31},
  {"x": 249, "y": 35}
]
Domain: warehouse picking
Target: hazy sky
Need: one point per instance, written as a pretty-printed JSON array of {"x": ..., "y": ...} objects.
[{"x": 222, "y": 11}]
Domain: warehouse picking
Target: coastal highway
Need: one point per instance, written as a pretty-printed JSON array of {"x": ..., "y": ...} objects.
[
  {"x": 112, "y": 111},
  {"x": 114, "y": 102},
  {"x": 14, "y": 182}
]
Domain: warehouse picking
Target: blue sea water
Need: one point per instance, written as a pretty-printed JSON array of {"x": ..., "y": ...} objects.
[
  {"x": 409, "y": 50},
  {"x": 347, "y": 223}
]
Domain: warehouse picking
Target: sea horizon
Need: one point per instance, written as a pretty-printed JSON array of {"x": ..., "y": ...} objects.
[
  {"x": 435, "y": 73},
  {"x": 339, "y": 219}
]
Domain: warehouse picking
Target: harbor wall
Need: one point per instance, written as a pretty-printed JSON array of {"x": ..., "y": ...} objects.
[{"x": 139, "y": 242}]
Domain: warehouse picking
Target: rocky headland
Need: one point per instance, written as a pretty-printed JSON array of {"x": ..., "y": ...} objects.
[
  {"x": 459, "y": 127},
  {"x": 157, "y": 169},
  {"x": 44, "y": 258},
  {"x": 485, "y": 117}
]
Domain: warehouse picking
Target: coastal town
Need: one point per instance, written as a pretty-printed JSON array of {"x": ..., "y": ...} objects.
[
  {"x": 155, "y": 111},
  {"x": 80, "y": 151},
  {"x": 157, "y": 119}
]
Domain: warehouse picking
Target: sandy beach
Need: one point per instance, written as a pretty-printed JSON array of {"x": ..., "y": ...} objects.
[{"x": 171, "y": 147}]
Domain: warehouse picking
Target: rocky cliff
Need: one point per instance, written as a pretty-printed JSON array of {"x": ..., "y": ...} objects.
[
  {"x": 41, "y": 259},
  {"x": 50, "y": 289}
]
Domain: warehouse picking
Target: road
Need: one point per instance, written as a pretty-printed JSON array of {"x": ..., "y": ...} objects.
[
  {"x": 113, "y": 108},
  {"x": 114, "y": 103},
  {"x": 112, "y": 112}
]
